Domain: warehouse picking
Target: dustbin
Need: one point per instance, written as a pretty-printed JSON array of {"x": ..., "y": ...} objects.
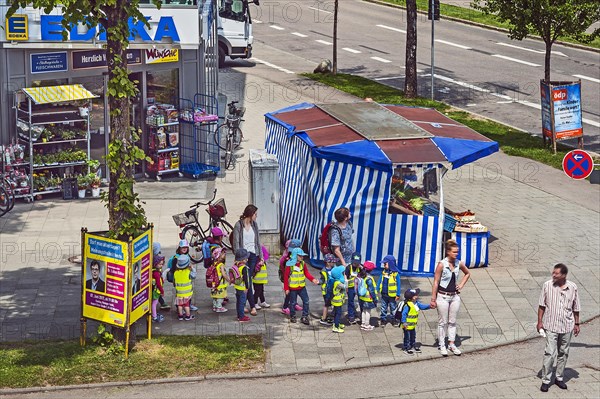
[{"x": 264, "y": 189}]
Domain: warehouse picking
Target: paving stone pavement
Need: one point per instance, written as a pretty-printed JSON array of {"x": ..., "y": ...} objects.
[{"x": 537, "y": 217}]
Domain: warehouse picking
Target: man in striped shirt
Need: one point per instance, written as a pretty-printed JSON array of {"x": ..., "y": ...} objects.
[{"x": 558, "y": 316}]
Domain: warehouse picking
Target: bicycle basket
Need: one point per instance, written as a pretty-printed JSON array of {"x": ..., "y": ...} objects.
[
  {"x": 240, "y": 111},
  {"x": 182, "y": 219},
  {"x": 217, "y": 209}
]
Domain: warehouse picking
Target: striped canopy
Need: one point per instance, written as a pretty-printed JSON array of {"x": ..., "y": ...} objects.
[
  {"x": 324, "y": 164},
  {"x": 55, "y": 94}
]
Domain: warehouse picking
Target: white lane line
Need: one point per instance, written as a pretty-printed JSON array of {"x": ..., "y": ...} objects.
[
  {"x": 277, "y": 27},
  {"x": 453, "y": 44},
  {"x": 587, "y": 78},
  {"x": 351, "y": 50},
  {"x": 391, "y": 78},
  {"x": 390, "y": 28},
  {"x": 257, "y": 21},
  {"x": 320, "y": 10},
  {"x": 471, "y": 105},
  {"x": 324, "y": 42},
  {"x": 515, "y": 60},
  {"x": 380, "y": 59},
  {"x": 299, "y": 34},
  {"x": 272, "y": 65},
  {"x": 532, "y": 50}
]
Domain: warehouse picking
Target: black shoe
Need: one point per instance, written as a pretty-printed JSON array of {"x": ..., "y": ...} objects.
[
  {"x": 544, "y": 387},
  {"x": 351, "y": 320},
  {"x": 561, "y": 384},
  {"x": 383, "y": 324},
  {"x": 325, "y": 322},
  {"x": 395, "y": 323},
  {"x": 304, "y": 320},
  {"x": 293, "y": 319},
  {"x": 418, "y": 350}
]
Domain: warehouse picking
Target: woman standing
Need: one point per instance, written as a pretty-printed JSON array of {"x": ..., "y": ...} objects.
[
  {"x": 245, "y": 235},
  {"x": 445, "y": 296}
]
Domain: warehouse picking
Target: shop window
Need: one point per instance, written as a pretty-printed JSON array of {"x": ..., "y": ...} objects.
[
  {"x": 49, "y": 82},
  {"x": 413, "y": 188},
  {"x": 162, "y": 86}
]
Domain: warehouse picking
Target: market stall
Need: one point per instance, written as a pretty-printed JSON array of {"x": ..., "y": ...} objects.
[{"x": 385, "y": 163}]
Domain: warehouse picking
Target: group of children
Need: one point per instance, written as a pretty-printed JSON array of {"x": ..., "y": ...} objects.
[{"x": 339, "y": 285}]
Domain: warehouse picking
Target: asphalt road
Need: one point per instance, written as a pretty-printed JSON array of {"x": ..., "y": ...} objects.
[{"x": 477, "y": 69}]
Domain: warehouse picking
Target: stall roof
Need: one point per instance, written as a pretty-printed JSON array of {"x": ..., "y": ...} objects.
[
  {"x": 353, "y": 133},
  {"x": 55, "y": 94}
]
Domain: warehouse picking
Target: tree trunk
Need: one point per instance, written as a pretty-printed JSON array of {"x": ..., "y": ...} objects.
[
  {"x": 335, "y": 23},
  {"x": 410, "y": 79},
  {"x": 547, "y": 60}
]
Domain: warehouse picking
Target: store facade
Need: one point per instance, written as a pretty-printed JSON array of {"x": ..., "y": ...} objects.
[{"x": 167, "y": 60}]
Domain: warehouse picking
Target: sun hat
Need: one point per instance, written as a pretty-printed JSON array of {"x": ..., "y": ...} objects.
[
  {"x": 241, "y": 254},
  {"x": 389, "y": 259},
  {"x": 369, "y": 266},
  {"x": 156, "y": 248},
  {"x": 217, "y": 252},
  {"x": 183, "y": 244},
  {"x": 409, "y": 294},
  {"x": 216, "y": 232},
  {"x": 330, "y": 258},
  {"x": 183, "y": 261},
  {"x": 158, "y": 259},
  {"x": 298, "y": 252}
]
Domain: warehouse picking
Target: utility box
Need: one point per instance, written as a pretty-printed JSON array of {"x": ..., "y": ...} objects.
[{"x": 264, "y": 189}]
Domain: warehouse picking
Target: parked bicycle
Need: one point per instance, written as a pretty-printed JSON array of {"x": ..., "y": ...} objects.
[
  {"x": 231, "y": 129},
  {"x": 7, "y": 195},
  {"x": 195, "y": 234}
]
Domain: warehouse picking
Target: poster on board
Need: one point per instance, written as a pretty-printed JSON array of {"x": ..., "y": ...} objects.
[{"x": 141, "y": 276}]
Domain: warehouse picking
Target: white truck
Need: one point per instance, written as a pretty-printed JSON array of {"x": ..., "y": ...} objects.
[{"x": 234, "y": 29}]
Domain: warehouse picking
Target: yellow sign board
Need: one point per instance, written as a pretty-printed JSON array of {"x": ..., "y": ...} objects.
[
  {"x": 158, "y": 56},
  {"x": 141, "y": 276},
  {"x": 17, "y": 28}
]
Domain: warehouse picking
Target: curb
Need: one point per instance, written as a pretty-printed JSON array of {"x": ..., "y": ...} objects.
[
  {"x": 216, "y": 377},
  {"x": 480, "y": 25}
]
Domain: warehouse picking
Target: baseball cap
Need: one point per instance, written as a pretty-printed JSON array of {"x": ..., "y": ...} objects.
[
  {"x": 216, "y": 231},
  {"x": 369, "y": 266},
  {"x": 356, "y": 257},
  {"x": 409, "y": 294},
  {"x": 241, "y": 254},
  {"x": 183, "y": 261},
  {"x": 183, "y": 244}
]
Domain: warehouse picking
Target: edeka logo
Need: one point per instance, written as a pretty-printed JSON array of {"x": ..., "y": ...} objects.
[{"x": 52, "y": 30}]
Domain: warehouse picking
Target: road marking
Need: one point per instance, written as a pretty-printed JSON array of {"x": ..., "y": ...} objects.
[
  {"x": 390, "y": 28},
  {"x": 453, "y": 44},
  {"x": 324, "y": 42},
  {"x": 471, "y": 105},
  {"x": 532, "y": 50},
  {"x": 587, "y": 78},
  {"x": 380, "y": 59},
  {"x": 277, "y": 27},
  {"x": 391, "y": 78},
  {"x": 256, "y": 21},
  {"x": 515, "y": 60},
  {"x": 590, "y": 122},
  {"x": 320, "y": 10},
  {"x": 299, "y": 34},
  {"x": 272, "y": 65},
  {"x": 351, "y": 50}
]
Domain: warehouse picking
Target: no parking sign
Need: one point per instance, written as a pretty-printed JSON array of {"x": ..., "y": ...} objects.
[{"x": 578, "y": 164}]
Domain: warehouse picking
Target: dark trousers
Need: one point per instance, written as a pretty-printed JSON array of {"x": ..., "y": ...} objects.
[
  {"x": 252, "y": 260},
  {"x": 337, "y": 314},
  {"x": 286, "y": 302},
  {"x": 410, "y": 337},
  {"x": 161, "y": 300},
  {"x": 351, "y": 306},
  {"x": 240, "y": 297},
  {"x": 259, "y": 293},
  {"x": 303, "y": 294}
]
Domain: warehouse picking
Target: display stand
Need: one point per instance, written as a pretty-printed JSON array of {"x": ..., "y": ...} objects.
[
  {"x": 473, "y": 248},
  {"x": 54, "y": 125},
  {"x": 162, "y": 125},
  {"x": 15, "y": 167}
]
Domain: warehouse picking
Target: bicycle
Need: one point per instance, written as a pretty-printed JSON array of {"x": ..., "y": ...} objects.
[
  {"x": 7, "y": 195},
  {"x": 234, "y": 135},
  {"x": 195, "y": 234}
]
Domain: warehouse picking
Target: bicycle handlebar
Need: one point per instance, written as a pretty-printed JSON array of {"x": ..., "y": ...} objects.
[{"x": 199, "y": 204}]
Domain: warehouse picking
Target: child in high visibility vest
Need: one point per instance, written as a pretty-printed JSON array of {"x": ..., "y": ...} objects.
[
  {"x": 241, "y": 283},
  {"x": 156, "y": 251},
  {"x": 370, "y": 299},
  {"x": 351, "y": 273},
  {"x": 157, "y": 287},
  {"x": 410, "y": 318},
  {"x": 219, "y": 293},
  {"x": 294, "y": 284},
  {"x": 389, "y": 288},
  {"x": 184, "y": 289},
  {"x": 259, "y": 281},
  {"x": 289, "y": 246},
  {"x": 339, "y": 295},
  {"x": 330, "y": 261}
]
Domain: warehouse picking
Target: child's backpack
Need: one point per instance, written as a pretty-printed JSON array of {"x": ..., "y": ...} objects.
[
  {"x": 284, "y": 258},
  {"x": 207, "y": 248},
  {"x": 234, "y": 274},
  {"x": 172, "y": 266},
  {"x": 325, "y": 238},
  {"x": 399, "y": 310},
  {"x": 361, "y": 286},
  {"x": 212, "y": 277},
  {"x": 329, "y": 289}
]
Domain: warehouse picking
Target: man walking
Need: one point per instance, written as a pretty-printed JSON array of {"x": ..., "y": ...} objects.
[{"x": 558, "y": 316}]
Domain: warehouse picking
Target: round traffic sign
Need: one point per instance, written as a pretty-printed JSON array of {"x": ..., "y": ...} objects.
[{"x": 578, "y": 164}]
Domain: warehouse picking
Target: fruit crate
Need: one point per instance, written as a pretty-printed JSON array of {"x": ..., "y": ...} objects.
[{"x": 432, "y": 210}]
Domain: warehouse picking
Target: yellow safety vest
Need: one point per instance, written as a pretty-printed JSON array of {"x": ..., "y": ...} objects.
[
  {"x": 223, "y": 283},
  {"x": 413, "y": 315},
  {"x": 392, "y": 287},
  {"x": 367, "y": 296},
  {"x": 297, "y": 279},
  {"x": 353, "y": 274},
  {"x": 239, "y": 282},
  {"x": 183, "y": 283},
  {"x": 261, "y": 277},
  {"x": 339, "y": 294},
  {"x": 325, "y": 278}
]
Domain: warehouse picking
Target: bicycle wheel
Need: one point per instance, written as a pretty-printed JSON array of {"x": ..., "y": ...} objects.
[
  {"x": 227, "y": 229},
  {"x": 229, "y": 153},
  {"x": 237, "y": 136},
  {"x": 221, "y": 129},
  {"x": 195, "y": 239},
  {"x": 4, "y": 201},
  {"x": 11, "y": 194}
]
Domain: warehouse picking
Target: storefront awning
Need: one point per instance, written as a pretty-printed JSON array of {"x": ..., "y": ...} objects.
[{"x": 54, "y": 94}]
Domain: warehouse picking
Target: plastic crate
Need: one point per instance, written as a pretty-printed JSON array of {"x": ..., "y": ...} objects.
[
  {"x": 432, "y": 210},
  {"x": 182, "y": 219}
]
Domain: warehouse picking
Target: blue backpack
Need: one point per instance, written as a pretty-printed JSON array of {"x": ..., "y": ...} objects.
[
  {"x": 329, "y": 289},
  {"x": 361, "y": 286},
  {"x": 172, "y": 265},
  {"x": 207, "y": 248}
]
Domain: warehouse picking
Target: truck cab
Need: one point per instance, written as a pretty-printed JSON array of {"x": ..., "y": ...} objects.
[{"x": 234, "y": 28}]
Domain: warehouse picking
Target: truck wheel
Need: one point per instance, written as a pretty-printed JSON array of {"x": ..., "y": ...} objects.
[{"x": 221, "y": 57}]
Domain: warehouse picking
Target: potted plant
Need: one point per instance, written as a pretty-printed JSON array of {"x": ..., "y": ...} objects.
[
  {"x": 94, "y": 184},
  {"x": 93, "y": 165},
  {"x": 82, "y": 185}
]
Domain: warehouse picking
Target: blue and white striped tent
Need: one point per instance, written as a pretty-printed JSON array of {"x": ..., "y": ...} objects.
[{"x": 325, "y": 165}]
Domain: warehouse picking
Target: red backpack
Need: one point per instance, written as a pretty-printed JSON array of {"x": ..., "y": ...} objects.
[
  {"x": 212, "y": 276},
  {"x": 325, "y": 238}
]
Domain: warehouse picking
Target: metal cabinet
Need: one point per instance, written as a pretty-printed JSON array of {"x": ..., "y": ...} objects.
[{"x": 264, "y": 189}]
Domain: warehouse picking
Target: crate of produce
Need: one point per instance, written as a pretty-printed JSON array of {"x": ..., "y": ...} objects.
[{"x": 432, "y": 210}]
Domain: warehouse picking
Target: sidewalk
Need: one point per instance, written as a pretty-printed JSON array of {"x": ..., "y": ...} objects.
[{"x": 537, "y": 216}]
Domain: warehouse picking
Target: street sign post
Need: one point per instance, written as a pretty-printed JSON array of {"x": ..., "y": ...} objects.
[{"x": 578, "y": 164}]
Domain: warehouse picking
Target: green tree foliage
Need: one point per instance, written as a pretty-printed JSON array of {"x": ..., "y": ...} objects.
[
  {"x": 548, "y": 19},
  {"x": 126, "y": 215}
]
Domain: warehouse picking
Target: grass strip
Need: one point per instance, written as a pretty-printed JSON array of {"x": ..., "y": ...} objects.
[
  {"x": 511, "y": 141},
  {"x": 46, "y": 363},
  {"x": 470, "y": 14}
]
